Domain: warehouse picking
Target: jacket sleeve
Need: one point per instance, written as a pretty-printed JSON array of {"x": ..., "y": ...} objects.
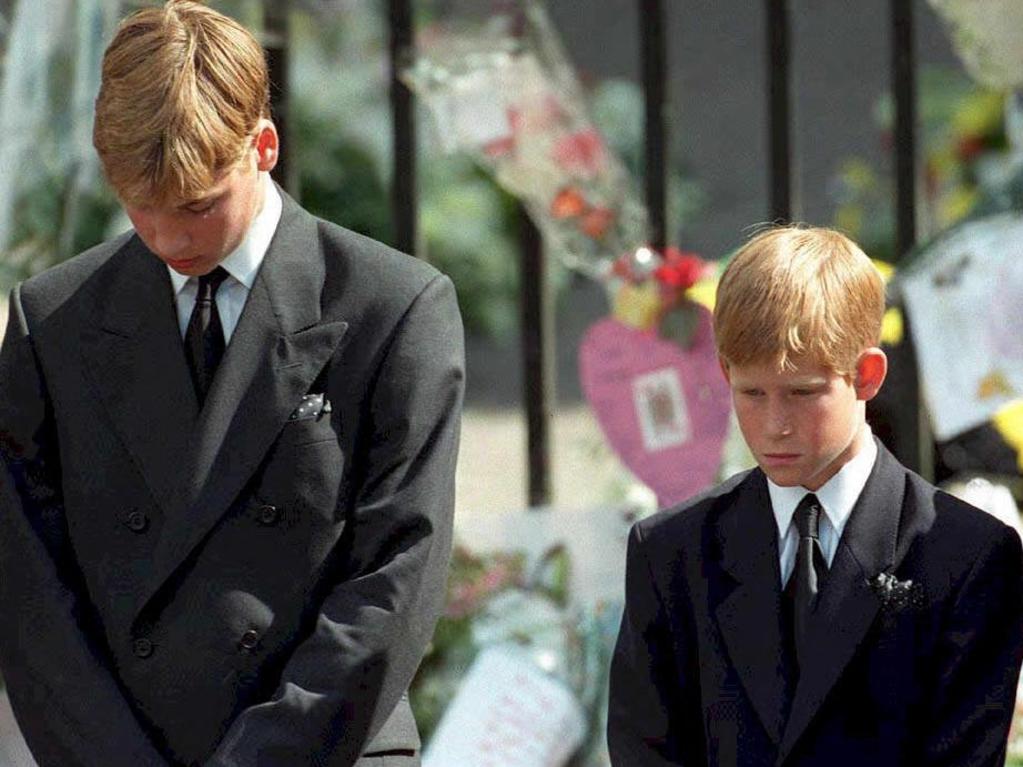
[
  {"x": 344, "y": 680},
  {"x": 638, "y": 722},
  {"x": 977, "y": 663},
  {"x": 68, "y": 701}
]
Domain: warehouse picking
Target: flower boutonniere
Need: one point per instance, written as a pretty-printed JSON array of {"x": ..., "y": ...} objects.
[{"x": 895, "y": 594}]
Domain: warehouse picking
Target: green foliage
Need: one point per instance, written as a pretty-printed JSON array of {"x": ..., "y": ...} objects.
[
  {"x": 964, "y": 149},
  {"x": 338, "y": 177},
  {"x": 53, "y": 220},
  {"x": 470, "y": 225}
]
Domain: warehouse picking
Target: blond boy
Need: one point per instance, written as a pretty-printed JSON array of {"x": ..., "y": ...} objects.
[
  {"x": 228, "y": 443},
  {"x": 829, "y": 607}
]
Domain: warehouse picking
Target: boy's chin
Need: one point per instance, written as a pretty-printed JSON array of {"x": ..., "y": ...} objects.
[{"x": 787, "y": 477}]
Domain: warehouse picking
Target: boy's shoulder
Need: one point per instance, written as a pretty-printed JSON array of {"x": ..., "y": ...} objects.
[
  {"x": 53, "y": 287},
  {"x": 947, "y": 527},
  {"x": 366, "y": 260},
  {"x": 370, "y": 279},
  {"x": 684, "y": 525}
]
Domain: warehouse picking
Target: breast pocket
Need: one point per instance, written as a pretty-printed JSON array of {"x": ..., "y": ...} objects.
[{"x": 310, "y": 422}]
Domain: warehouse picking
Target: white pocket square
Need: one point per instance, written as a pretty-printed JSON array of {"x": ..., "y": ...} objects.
[{"x": 311, "y": 406}]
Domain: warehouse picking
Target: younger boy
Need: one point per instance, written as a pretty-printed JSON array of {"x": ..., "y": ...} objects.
[{"x": 829, "y": 607}]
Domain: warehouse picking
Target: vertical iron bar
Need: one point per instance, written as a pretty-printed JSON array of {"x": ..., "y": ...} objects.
[
  {"x": 913, "y": 442},
  {"x": 537, "y": 325},
  {"x": 779, "y": 110},
  {"x": 277, "y": 29},
  {"x": 654, "y": 60},
  {"x": 904, "y": 84},
  {"x": 403, "y": 190}
]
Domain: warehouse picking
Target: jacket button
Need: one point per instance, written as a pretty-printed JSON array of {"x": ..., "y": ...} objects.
[
  {"x": 268, "y": 515},
  {"x": 142, "y": 647},
  {"x": 249, "y": 640},
  {"x": 137, "y": 521}
]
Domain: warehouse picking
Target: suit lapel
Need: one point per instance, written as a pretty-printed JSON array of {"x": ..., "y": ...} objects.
[
  {"x": 750, "y": 615},
  {"x": 847, "y": 605},
  {"x": 279, "y": 347},
  {"x": 136, "y": 360}
]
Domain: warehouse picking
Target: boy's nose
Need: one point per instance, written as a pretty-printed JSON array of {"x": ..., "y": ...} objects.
[{"x": 778, "y": 422}]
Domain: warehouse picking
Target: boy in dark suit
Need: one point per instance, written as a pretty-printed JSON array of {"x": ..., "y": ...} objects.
[
  {"x": 228, "y": 444},
  {"x": 829, "y": 607}
]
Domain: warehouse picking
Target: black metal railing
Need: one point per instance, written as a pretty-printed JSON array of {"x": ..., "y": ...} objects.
[{"x": 909, "y": 438}]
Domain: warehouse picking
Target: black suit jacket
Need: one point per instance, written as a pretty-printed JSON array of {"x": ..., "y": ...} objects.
[
  {"x": 698, "y": 676},
  {"x": 231, "y": 586}
]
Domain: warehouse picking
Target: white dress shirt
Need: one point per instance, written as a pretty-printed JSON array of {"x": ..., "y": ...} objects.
[
  {"x": 242, "y": 264},
  {"x": 837, "y": 497}
]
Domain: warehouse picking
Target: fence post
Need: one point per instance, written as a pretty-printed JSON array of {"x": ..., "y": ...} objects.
[
  {"x": 537, "y": 327},
  {"x": 404, "y": 186},
  {"x": 912, "y": 440},
  {"x": 654, "y": 59},
  {"x": 779, "y": 110},
  {"x": 277, "y": 33}
]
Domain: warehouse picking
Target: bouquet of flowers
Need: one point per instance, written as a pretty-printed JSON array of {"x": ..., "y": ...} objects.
[
  {"x": 495, "y": 601},
  {"x": 505, "y": 93}
]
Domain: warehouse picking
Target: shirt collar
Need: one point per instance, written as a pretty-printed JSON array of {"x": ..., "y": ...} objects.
[
  {"x": 837, "y": 496},
  {"x": 244, "y": 261}
]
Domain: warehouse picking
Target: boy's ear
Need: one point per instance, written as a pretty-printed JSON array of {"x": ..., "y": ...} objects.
[
  {"x": 724, "y": 369},
  {"x": 267, "y": 145},
  {"x": 871, "y": 369}
]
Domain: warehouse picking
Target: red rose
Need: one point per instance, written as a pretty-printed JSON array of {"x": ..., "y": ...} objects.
[{"x": 679, "y": 270}]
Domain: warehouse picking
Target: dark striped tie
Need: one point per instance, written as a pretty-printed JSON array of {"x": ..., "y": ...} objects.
[{"x": 204, "y": 339}]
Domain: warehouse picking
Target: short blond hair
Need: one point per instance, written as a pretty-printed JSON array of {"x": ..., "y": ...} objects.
[
  {"x": 799, "y": 293},
  {"x": 183, "y": 89}
]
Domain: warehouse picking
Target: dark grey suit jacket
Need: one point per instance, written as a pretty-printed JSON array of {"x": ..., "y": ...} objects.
[
  {"x": 230, "y": 586},
  {"x": 698, "y": 675}
]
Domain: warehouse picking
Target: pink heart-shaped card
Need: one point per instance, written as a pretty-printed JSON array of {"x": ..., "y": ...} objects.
[{"x": 663, "y": 408}]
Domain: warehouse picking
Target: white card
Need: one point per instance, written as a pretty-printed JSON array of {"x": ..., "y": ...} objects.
[
  {"x": 661, "y": 410},
  {"x": 507, "y": 713},
  {"x": 965, "y": 301}
]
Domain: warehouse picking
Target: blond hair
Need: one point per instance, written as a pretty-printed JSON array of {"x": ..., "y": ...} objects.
[
  {"x": 799, "y": 293},
  {"x": 183, "y": 89}
]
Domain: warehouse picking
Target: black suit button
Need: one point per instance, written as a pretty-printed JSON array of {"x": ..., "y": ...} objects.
[
  {"x": 142, "y": 647},
  {"x": 268, "y": 515},
  {"x": 137, "y": 521},
  {"x": 249, "y": 640}
]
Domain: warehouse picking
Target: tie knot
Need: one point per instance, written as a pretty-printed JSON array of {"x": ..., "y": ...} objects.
[
  {"x": 210, "y": 283},
  {"x": 808, "y": 517}
]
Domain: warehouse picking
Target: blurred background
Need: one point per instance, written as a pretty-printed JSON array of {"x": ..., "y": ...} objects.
[{"x": 336, "y": 97}]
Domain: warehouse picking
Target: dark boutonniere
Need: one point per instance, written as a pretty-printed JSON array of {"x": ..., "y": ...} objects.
[{"x": 895, "y": 594}]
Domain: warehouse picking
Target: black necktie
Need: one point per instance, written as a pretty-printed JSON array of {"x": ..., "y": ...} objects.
[
  {"x": 204, "y": 339},
  {"x": 803, "y": 587}
]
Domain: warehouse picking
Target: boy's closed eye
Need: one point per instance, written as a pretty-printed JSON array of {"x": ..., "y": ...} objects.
[{"x": 202, "y": 207}]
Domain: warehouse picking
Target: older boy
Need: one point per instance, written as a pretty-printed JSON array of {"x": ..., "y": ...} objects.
[
  {"x": 828, "y": 607},
  {"x": 228, "y": 444}
]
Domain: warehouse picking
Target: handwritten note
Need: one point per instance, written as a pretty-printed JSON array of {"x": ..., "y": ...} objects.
[
  {"x": 965, "y": 301},
  {"x": 507, "y": 713}
]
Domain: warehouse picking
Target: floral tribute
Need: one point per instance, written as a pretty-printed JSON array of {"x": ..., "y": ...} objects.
[
  {"x": 988, "y": 36},
  {"x": 505, "y": 93},
  {"x": 650, "y": 289},
  {"x": 496, "y": 600}
]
